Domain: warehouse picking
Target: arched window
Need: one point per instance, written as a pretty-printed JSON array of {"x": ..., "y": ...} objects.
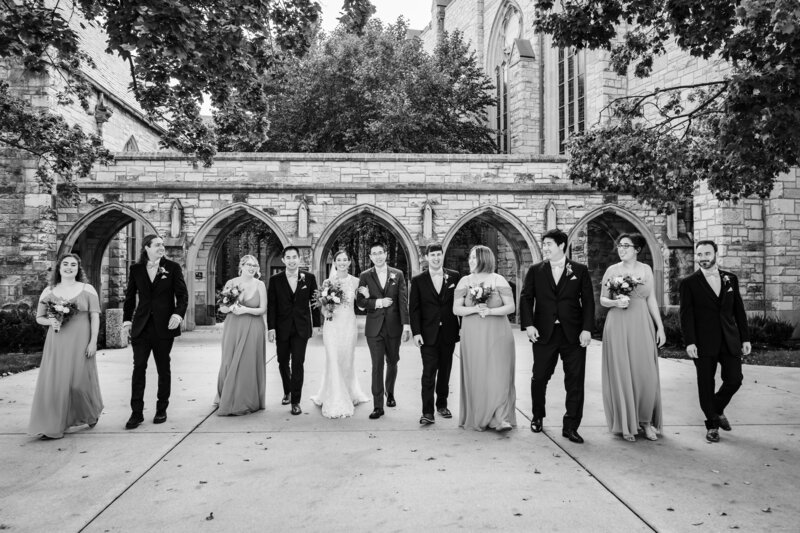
[
  {"x": 510, "y": 31},
  {"x": 131, "y": 145},
  {"x": 571, "y": 94}
]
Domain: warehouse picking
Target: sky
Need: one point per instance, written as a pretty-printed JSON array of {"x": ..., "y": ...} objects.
[{"x": 416, "y": 11}]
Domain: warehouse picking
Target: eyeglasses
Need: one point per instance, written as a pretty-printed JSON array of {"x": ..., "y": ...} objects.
[
  {"x": 625, "y": 246},
  {"x": 255, "y": 265}
]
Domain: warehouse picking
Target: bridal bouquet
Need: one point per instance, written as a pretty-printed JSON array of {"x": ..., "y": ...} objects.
[
  {"x": 230, "y": 295},
  {"x": 480, "y": 293},
  {"x": 60, "y": 309},
  {"x": 622, "y": 285},
  {"x": 329, "y": 296}
]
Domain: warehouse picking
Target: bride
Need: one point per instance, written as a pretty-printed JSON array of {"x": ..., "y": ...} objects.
[{"x": 340, "y": 391}]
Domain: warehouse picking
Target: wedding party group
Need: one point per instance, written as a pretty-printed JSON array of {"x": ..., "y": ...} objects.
[{"x": 442, "y": 308}]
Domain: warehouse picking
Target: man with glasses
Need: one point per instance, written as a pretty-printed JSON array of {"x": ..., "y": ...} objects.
[
  {"x": 557, "y": 312},
  {"x": 382, "y": 292}
]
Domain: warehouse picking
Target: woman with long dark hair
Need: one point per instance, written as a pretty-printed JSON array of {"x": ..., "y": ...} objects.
[{"x": 67, "y": 389}]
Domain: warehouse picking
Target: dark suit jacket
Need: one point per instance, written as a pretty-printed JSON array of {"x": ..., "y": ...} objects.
[
  {"x": 286, "y": 308},
  {"x": 428, "y": 309},
  {"x": 396, "y": 315},
  {"x": 708, "y": 320},
  {"x": 160, "y": 299},
  {"x": 571, "y": 302}
]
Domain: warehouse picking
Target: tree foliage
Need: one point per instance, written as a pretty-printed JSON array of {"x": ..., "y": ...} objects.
[
  {"x": 738, "y": 131},
  {"x": 377, "y": 92},
  {"x": 177, "y": 50}
]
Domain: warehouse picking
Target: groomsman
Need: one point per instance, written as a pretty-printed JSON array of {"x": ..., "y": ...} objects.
[
  {"x": 291, "y": 321},
  {"x": 435, "y": 329},
  {"x": 383, "y": 294},
  {"x": 153, "y": 323},
  {"x": 557, "y": 312},
  {"x": 714, "y": 325}
]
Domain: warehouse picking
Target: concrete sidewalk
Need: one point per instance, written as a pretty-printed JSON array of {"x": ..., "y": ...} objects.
[{"x": 271, "y": 471}]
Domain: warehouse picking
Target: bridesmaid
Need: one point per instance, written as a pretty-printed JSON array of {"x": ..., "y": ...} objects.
[
  {"x": 242, "y": 373},
  {"x": 67, "y": 388},
  {"x": 631, "y": 387},
  {"x": 488, "y": 395}
]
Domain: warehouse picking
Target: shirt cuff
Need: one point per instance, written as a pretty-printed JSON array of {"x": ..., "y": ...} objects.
[
  {"x": 378, "y": 304},
  {"x": 126, "y": 323},
  {"x": 406, "y": 327},
  {"x": 176, "y": 315}
]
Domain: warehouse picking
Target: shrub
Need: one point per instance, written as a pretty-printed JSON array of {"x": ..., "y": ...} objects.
[
  {"x": 769, "y": 330},
  {"x": 19, "y": 331}
]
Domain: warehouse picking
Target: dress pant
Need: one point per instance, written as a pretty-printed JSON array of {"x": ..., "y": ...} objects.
[
  {"x": 291, "y": 357},
  {"x": 437, "y": 361},
  {"x": 148, "y": 341},
  {"x": 573, "y": 360},
  {"x": 713, "y": 404},
  {"x": 380, "y": 346}
]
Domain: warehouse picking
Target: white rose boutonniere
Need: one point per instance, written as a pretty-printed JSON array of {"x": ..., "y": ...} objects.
[
  {"x": 568, "y": 270},
  {"x": 392, "y": 276},
  {"x": 163, "y": 272}
]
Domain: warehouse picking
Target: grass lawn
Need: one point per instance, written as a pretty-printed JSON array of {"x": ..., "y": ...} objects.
[
  {"x": 12, "y": 363},
  {"x": 761, "y": 355}
]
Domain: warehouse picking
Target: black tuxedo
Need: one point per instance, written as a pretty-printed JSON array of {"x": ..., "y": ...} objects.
[
  {"x": 559, "y": 312},
  {"x": 293, "y": 318},
  {"x": 717, "y": 325},
  {"x": 384, "y": 326},
  {"x": 158, "y": 300},
  {"x": 431, "y": 315}
]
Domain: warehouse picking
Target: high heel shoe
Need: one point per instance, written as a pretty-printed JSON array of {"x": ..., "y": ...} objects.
[
  {"x": 649, "y": 432},
  {"x": 629, "y": 438}
]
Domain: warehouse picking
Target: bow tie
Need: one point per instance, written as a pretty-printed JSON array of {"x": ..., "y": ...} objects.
[
  {"x": 153, "y": 264},
  {"x": 560, "y": 264},
  {"x": 711, "y": 274},
  {"x": 291, "y": 276}
]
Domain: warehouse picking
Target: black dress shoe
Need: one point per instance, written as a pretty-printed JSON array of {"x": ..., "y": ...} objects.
[
  {"x": 376, "y": 413},
  {"x": 723, "y": 423},
  {"x": 712, "y": 435},
  {"x": 287, "y": 399},
  {"x": 296, "y": 409},
  {"x": 444, "y": 412},
  {"x": 134, "y": 421},
  {"x": 426, "y": 419},
  {"x": 572, "y": 435},
  {"x": 160, "y": 418},
  {"x": 390, "y": 401},
  {"x": 536, "y": 425}
]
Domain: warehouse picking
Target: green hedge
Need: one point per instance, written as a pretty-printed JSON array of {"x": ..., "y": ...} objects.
[
  {"x": 19, "y": 331},
  {"x": 763, "y": 330}
]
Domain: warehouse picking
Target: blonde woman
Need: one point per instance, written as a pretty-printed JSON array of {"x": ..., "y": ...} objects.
[{"x": 242, "y": 372}]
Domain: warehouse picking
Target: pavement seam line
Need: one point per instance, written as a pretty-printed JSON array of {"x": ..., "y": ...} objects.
[{"x": 147, "y": 471}]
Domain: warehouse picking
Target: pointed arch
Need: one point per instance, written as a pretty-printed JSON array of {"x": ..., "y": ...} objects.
[
  {"x": 337, "y": 225},
  {"x": 131, "y": 145},
  {"x": 120, "y": 216},
  {"x": 641, "y": 227},
  {"x": 221, "y": 221}
]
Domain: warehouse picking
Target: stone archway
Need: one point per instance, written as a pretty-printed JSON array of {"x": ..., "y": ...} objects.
[
  {"x": 512, "y": 242},
  {"x": 106, "y": 240},
  {"x": 591, "y": 242},
  {"x": 203, "y": 253},
  {"x": 340, "y": 224}
]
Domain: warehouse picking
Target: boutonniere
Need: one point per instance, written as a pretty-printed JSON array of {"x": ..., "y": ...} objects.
[
  {"x": 302, "y": 278},
  {"x": 446, "y": 277},
  {"x": 163, "y": 272},
  {"x": 568, "y": 270},
  {"x": 726, "y": 280},
  {"x": 392, "y": 276}
]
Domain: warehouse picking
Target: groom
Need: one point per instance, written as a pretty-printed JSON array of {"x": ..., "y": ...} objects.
[
  {"x": 290, "y": 320},
  {"x": 557, "y": 311},
  {"x": 435, "y": 329},
  {"x": 152, "y": 323},
  {"x": 383, "y": 294}
]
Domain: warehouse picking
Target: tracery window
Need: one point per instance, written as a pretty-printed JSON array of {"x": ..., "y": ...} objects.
[{"x": 571, "y": 94}]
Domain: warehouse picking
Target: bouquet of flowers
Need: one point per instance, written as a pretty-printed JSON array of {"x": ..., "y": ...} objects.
[
  {"x": 328, "y": 297},
  {"x": 230, "y": 295},
  {"x": 622, "y": 285},
  {"x": 60, "y": 309},
  {"x": 480, "y": 293}
]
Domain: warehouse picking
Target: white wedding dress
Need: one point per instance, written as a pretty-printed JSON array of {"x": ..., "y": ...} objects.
[{"x": 340, "y": 392}]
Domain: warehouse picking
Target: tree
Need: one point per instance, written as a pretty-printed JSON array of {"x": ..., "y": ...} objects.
[
  {"x": 375, "y": 92},
  {"x": 737, "y": 132},
  {"x": 177, "y": 50}
]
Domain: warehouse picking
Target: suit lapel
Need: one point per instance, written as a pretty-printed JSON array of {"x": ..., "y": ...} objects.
[
  {"x": 377, "y": 280},
  {"x": 562, "y": 281},
  {"x": 547, "y": 269},
  {"x": 704, "y": 283}
]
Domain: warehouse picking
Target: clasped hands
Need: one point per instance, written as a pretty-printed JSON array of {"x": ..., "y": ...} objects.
[{"x": 385, "y": 302}]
